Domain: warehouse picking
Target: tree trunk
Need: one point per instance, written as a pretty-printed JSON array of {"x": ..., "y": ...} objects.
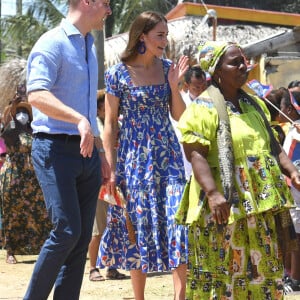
[
  {"x": 99, "y": 43},
  {"x": 19, "y": 6}
]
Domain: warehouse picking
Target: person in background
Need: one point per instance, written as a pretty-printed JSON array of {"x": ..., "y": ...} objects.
[
  {"x": 25, "y": 220},
  {"x": 64, "y": 154},
  {"x": 281, "y": 99},
  {"x": 277, "y": 120},
  {"x": 2, "y": 160},
  {"x": 290, "y": 106},
  {"x": 283, "y": 94},
  {"x": 101, "y": 214},
  {"x": 195, "y": 83},
  {"x": 238, "y": 194},
  {"x": 294, "y": 86},
  {"x": 147, "y": 164}
]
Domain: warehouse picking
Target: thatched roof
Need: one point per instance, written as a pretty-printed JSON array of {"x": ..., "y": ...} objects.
[
  {"x": 186, "y": 33},
  {"x": 12, "y": 73}
]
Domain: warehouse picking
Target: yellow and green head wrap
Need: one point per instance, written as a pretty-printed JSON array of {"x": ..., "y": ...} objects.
[{"x": 210, "y": 54}]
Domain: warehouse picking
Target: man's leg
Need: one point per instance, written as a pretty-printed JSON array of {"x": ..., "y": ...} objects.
[
  {"x": 69, "y": 280},
  {"x": 58, "y": 165}
]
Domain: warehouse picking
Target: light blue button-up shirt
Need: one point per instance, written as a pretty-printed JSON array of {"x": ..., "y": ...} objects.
[{"x": 64, "y": 63}]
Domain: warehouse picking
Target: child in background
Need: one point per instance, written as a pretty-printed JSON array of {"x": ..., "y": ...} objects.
[
  {"x": 292, "y": 148},
  {"x": 100, "y": 216}
]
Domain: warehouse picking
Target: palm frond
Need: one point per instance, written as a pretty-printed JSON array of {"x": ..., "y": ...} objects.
[{"x": 46, "y": 11}]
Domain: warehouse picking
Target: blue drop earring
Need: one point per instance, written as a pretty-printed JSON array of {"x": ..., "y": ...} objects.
[{"x": 141, "y": 47}]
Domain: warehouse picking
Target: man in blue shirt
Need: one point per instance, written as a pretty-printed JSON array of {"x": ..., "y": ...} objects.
[{"x": 62, "y": 76}]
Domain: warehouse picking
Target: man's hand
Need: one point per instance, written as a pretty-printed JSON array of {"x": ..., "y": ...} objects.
[{"x": 87, "y": 138}]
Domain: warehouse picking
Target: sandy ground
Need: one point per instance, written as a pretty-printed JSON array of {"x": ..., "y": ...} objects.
[{"x": 14, "y": 280}]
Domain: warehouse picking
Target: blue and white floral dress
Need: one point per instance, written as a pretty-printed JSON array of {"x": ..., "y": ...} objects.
[{"x": 150, "y": 173}]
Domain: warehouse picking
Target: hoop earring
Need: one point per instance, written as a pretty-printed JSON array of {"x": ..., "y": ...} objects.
[{"x": 141, "y": 49}]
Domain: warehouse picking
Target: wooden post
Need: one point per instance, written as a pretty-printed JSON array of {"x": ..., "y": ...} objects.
[{"x": 215, "y": 29}]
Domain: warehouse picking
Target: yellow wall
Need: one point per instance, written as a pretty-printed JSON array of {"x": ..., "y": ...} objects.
[
  {"x": 281, "y": 71},
  {"x": 236, "y": 14}
]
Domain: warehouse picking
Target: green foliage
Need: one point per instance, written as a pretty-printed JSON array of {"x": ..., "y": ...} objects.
[
  {"x": 20, "y": 32},
  {"x": 126, "y": 11},
  {"x": 47, "y": 12}
]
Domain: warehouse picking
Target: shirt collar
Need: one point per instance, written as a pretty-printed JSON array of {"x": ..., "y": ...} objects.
[{"x": 70, "y": 29}]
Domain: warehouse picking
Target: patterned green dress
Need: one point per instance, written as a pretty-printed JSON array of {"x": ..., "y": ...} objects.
[
  {"x": 24, "y": 217},
  {"x": 241, "y": 260}
]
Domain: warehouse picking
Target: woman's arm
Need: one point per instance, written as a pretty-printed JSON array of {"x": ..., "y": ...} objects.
[
  {"x": 218, "y": 205},
  {"x": 110, "y": 134},
  {"x": 105, "y": 168},
  {"x": 177, "y": 105}
]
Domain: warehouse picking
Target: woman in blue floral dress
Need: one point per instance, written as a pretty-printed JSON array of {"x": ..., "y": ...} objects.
[{"x": 146, "y": 163}]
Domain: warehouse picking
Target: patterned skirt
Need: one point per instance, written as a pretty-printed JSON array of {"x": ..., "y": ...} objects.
[
  {"x": 238, "y": 261},
  {"x": 159, "y": 244}
]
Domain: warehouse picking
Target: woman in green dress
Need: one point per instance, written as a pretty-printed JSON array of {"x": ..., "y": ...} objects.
[{"x": 237, "y": 203}]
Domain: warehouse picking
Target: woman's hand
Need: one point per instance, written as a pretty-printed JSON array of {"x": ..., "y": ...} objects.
[
  {"x": 177, "y": 71},
  {"x": 295, "y": 179},
  {"x": 111, "y": 184},
  {"x": 219, "y": 207}
]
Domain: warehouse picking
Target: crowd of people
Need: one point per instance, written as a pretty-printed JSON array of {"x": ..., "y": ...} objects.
[{"x": 209, "y": 171}]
